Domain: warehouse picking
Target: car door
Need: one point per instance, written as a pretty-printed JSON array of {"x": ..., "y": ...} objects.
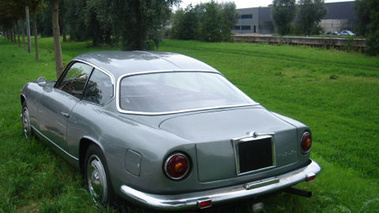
[
  {"x": 87, "y": 115},
  {"x": 56, "y": 105}
]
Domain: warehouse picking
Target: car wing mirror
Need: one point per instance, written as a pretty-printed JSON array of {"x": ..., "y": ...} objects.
[{"x": 41, "y": 81}]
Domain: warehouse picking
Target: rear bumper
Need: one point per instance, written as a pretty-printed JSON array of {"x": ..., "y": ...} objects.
[{"x": 195, "y": 200}]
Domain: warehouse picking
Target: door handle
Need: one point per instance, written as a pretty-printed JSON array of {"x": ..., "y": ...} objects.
[{"x": 65, "y": 114}]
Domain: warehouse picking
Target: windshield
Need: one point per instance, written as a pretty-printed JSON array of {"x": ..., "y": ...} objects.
[{"x": 178, "y": 91}]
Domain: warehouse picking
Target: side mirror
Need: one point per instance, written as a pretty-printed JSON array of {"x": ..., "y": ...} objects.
[{"x": 41, "y": 81}]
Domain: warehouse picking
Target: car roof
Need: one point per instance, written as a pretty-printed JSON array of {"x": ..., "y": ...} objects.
[{"x": 119, "y": 63}]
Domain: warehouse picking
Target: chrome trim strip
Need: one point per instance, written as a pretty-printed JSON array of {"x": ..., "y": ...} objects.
[
  {"x": 261, "y": 183},
  {"x": 52, "y": 142},
  {"x": 178, "y": 111},
  {"x": 181, "y": 111},
  {"x": 189, "y": 201}
]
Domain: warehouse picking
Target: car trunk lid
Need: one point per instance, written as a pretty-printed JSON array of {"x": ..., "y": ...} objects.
[{"x": 218, "y": 133}]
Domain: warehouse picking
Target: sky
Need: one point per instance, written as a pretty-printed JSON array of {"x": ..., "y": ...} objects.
[{"x": 242, "y": 3}]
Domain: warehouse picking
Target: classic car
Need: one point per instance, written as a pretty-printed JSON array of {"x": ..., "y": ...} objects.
[
  {"x": 165, "y": 131},
  {"x": 347, "y": 33}
]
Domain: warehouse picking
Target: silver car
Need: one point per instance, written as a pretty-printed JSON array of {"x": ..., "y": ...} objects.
[
  {"x": 165, "y": 131},
  {"x": 347, "y": 33}
]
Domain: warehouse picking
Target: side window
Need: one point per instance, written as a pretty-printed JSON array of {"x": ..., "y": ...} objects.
[
  {"x": 99, "y": 89},
  {"x": 75, "y": 79}
]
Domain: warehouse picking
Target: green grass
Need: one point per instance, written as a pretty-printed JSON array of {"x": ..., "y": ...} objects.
[{"x": 335, "y": 93}]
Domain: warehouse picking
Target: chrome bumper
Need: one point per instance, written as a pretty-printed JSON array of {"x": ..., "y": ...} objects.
[{"x": 195, "y": 200}]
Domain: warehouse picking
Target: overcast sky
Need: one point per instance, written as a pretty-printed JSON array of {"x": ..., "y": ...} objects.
[{"x": 242, "y": 3}]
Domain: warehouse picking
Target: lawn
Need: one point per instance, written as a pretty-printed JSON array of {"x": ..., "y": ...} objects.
[{"x": 334, "y": 93}]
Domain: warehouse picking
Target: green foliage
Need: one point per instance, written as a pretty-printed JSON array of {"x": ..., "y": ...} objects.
[
  {"x": 362, "y": 11},
  {"x": 211, "y": 22},
  {"x": 139, "y": 22},
  {"x": 210, "y": 25},
  {"x": 372, "y": 40},
  {"x": 177, "y": 25},
  {"x": 10, "y": 12},
  {"x": 310, "y": 13},
  {"x": 373, "y": 29},
  {"x": 185, "y": 24},
  {"x": 368, "y": 18},
  {"x": 227, "y": 20},
  {"x": 75, "y": 20},
  {"x": 283, "y": 12}
]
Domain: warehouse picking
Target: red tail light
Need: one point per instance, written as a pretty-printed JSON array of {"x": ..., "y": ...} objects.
[
  {"x": 177, "y": 166},
  {"x": 306, "y": 142}
]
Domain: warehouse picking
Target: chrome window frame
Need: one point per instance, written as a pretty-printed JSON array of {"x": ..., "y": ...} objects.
[
  {"x": 253, "y": 103},
  {"x": 109, "y": 74}
]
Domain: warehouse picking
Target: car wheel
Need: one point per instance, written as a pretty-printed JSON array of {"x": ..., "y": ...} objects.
[
  {"x": 97, "y": 177},
  {"x": 26, "y": 126}
]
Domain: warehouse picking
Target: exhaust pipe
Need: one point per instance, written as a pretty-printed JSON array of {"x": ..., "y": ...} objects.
[{"x": 299, "y": 192}]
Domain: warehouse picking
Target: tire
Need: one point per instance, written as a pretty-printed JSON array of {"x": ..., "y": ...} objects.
[
  {"x": 25, "y": 119},
  {"x": 97, "y": 176}
]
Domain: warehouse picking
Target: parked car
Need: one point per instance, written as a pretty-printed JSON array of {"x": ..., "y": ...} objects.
[
  {"x": 347, "y": 33},
  {"x": 333, "y": 33},
  {"x": 165, "y": 131}
]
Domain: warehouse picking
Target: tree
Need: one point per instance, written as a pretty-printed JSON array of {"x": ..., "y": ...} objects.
[
  {"x": 177, "y": 22},
  {"x": 209, "y": 22},
  {"x": 139, "y": 23},
  {"x": 98, "y": 14},
  {"x": 229, "y": 17},
  {"x": 93, "y": 27},
  {"x": 368, "y": 17},
  {"x": 362, "y": 11},
  {"x": 56, "y": 36},
  {"x": 35, "y": 7},
  {"x": 310, "y": 13},
  {"x": 283, "y": 12},
  {"x": 75, "y": 18},
  {"x": 10, "y": 12},
  {"x": 185, "y": 24},
  {"x": 216, "y": 21},
  {"x": 44, "y": 25}
]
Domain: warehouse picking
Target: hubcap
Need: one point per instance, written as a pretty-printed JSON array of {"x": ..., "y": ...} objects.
[
  {"x": 26, "y": 122},
  {"x": 96, "y": 179}
]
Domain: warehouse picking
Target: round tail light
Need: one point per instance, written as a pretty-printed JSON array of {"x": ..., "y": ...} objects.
[
  {"x": 177, "y": 166},
  {"x": 306, "y": 142}
]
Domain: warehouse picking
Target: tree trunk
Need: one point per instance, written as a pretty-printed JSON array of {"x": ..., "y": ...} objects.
[
  {"x": 23, "y": 33},
  {"x": 62, "y": 21},
  {"x": 28, "y": 28},
  {"x": 18, "y": 34},
  {"x": 13, "y": 35},
  {"x": 139, "y": 26},
  {"x": 63, "y": 29},
  {"x": 108, "y": 34},
  {"x": 35, "y": 35},
  {"x": 56, "y": 35}
]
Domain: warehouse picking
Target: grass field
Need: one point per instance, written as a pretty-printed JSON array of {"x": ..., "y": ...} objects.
[{"x": 335, "y": 93}]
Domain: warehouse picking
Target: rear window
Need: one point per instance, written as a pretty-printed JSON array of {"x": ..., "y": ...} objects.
[{"x": 178, "y": 91}]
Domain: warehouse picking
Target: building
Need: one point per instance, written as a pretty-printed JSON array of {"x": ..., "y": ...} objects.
[
  {"x": 340, "y": 16},
  {"x": 254, "y": 20}
]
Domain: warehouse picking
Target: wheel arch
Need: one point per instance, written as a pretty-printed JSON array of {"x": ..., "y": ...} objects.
[
  {"x": 22, "y": 98},
  {"x": 83, "y": 147}
]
